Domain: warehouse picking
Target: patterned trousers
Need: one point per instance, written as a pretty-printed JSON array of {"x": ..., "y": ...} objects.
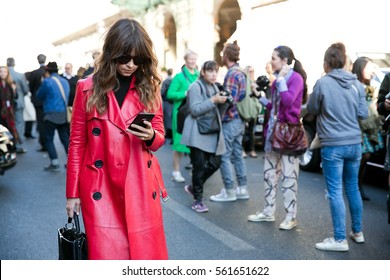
[{"x": 285, "y": 168}]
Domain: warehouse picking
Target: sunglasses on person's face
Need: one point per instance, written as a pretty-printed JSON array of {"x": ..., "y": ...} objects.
[{"x": 124, "y": 59}]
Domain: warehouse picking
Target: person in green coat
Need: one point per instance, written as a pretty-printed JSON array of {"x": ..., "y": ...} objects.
[{"x": 177, "y": 92}]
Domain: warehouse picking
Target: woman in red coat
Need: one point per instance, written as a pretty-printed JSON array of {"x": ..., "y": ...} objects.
[{"x": 112, "y": 173}]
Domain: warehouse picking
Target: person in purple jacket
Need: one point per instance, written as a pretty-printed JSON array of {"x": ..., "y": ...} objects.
[{"x": 289, "y": 92}]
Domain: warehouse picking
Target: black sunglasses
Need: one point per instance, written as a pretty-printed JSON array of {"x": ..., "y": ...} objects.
[{"x": 124, "y": 59}]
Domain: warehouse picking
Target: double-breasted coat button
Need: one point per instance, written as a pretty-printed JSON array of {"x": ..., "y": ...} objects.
[
  {"x": 96, "y": 131},
  {"x": 99, "y": 163},
  {"x": 154, "y": 195},
  {"x": 149, "y": 163},
  {"x": 97, "y": 195}
]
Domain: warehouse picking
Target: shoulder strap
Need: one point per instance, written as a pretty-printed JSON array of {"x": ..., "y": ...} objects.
[
  {"x": 185, "y": 74},
  {"x": 202, "y": 85},
  {"x": 239, "y": 69},
  {"x": 248, "y": 88},
  {"x": 61, "y": 88}
]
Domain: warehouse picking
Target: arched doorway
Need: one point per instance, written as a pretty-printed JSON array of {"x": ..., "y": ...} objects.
[
  {"x": 226, "y": 18},
  {"x": 170, "y": 41}
]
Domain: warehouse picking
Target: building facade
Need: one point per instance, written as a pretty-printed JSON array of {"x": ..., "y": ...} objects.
[{"x": 203, "y": 26}]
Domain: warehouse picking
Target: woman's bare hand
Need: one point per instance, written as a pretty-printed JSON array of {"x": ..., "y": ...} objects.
[{"x": 143, "y": 133}]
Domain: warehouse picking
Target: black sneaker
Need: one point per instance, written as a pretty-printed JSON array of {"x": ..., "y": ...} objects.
[
  {"x": 21, "y": 151},
  {"x": 52, "y": 168}
]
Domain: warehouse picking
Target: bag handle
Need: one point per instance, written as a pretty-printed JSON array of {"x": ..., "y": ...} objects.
[{"x": 76, "y": 221}]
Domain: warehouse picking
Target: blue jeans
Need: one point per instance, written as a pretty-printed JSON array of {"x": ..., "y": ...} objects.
[
  {"x": 340, "y": 165},
  {"x": 233, "y": 132},
  {"x": 63, "y": 133}
]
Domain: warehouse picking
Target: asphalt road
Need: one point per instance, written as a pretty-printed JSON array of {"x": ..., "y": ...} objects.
[{"x": 32, "y": 205}]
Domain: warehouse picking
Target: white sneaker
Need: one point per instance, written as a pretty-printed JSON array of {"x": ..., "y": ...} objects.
[
  {"x": 329, "y": 244},
  {"x": 357, "y": 237},
  {"x": 224, "y": 196},
  {"x": 177, "y": 177},
  {"x": 242, "y": 192},
  {"x": 288, "y": 223},
  {"x": 261, "y": 217}
]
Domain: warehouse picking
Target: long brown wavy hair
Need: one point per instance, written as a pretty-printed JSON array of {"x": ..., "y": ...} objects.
[{"x": 122, "y": 38}]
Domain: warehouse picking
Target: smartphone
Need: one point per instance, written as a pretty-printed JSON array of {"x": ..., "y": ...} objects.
[
  {"x": 387, "y": 96},
  {"x": 140, "y": 118}
]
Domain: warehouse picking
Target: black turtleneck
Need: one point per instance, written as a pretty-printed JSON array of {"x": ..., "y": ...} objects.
[{"x": 124, "y": 85}]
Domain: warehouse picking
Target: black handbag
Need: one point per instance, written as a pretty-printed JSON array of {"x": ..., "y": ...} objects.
[
  {"x": 72, "y": 242},
  {"x": 208, "y": 123},
  {"x": 182, "y": 113}
]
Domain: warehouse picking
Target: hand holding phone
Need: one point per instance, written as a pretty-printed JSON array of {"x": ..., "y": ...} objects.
[
  {"x": 148, "y": 133},
  {"x": 140, "y": 118}
]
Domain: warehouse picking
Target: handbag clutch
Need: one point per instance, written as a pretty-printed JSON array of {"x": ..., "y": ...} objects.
[
  {"x": 289, "y": 138},
  {"x": 72, "y": 242}
]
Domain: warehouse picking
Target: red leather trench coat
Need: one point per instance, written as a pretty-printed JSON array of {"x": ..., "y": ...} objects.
[{"x": 117, "y": 178}]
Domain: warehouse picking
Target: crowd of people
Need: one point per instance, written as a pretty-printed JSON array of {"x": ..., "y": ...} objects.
[
  {"x": 347, "y": 137},
  {"x": 125, "y": 81},
  {"x": 34, "y": 100}
]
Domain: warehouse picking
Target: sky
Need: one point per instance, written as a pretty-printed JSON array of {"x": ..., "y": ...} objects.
[{"x": 30, "y": 26}]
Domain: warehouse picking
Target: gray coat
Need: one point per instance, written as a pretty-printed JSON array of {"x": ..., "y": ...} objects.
[
  {"x": 200, "y": 103},
  {"x": 21, "y": 86}
]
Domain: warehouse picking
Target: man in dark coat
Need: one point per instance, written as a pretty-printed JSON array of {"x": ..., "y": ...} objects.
[
  {"x": 35, "y": 78},
  {"x": 72, "y": 80}
]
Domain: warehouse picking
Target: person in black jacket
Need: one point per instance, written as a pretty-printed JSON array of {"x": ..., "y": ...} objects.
[
  {"x": 35, "y": 78},
  {"x": 383, "y": 107},
  {"x": 72, "y": 80},
  {"x": 167, "y": 104}
]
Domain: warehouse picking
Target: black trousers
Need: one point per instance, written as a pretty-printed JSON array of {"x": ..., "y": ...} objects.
[
  {"x": 249, "y": 137},
  {"x": 40, "y": 126},
  {"x": 203, "y": 166}
]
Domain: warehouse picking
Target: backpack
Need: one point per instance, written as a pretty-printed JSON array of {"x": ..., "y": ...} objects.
[
  {"x": 182, "y": 113},
  {"x": 248, "y": 108},
  {"x": 183, "y": 110},
  {"x": 164, "y": 89}
]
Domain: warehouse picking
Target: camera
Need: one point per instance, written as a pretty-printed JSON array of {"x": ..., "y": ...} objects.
[
  {"x": 262, "y": 82},
  {"x": 224, "y": 92},
  {"x": 229, "y": 99}
]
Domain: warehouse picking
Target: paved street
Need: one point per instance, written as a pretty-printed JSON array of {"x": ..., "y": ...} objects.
[{"x": 32, "y": 203}]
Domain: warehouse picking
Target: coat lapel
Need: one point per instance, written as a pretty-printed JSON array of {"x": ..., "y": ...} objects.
[
  {"x": 114, "y": 112},
  {"x": 120, "y": 117}
]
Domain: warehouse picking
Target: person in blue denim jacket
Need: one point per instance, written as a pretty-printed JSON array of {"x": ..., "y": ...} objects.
[{"x": 54, "y": 110}]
